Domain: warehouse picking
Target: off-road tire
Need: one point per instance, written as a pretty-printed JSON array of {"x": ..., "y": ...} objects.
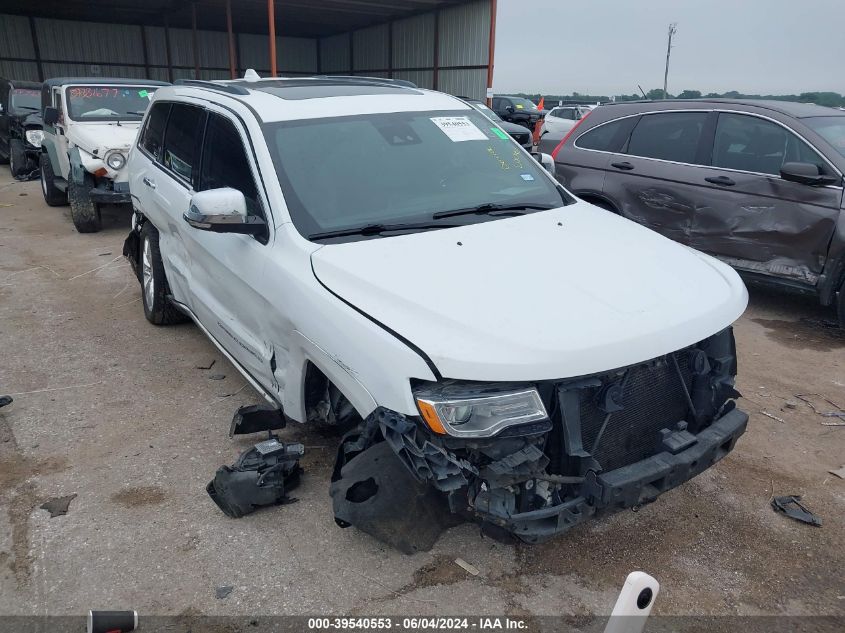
[
  {"x": 53, "y": 196},
  {"x": 84, "y": 212},
  {"x": 158, "y": 309},
  {"x": 17, "y": 157}
]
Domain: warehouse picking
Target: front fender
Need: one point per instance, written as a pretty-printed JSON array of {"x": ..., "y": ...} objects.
[
  {"x": 81, "y": 162},
  {"x": 304, "y": 350}
]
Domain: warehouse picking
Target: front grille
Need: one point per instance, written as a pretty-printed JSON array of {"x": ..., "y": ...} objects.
[{"x": 653, "y": 398}]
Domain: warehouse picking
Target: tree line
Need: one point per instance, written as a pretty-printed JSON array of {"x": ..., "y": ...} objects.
[{"x": 830, "y": 99}]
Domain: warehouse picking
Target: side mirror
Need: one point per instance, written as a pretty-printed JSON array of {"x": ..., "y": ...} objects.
[
  {"x": 51, "y": 116},
  {"x": 806, "y": 174},
  {"x": 546, "y": 161},
  {"x": 223, "y": 211},
  {"x": 509, "y": 109}
]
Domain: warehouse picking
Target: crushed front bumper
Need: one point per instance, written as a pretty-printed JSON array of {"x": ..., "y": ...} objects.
[
  {"x": 628, "y": 486},
  {"x": 107, "y": 196}
]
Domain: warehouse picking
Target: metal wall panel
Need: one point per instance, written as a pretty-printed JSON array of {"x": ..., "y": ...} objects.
[
  {"x": 181, "y": 47},
  {"x": 334, "y": 54},
  {"x": 373, "y": 73},
  {"x": 423, "y": 78},
  {"x": 465, "y": 34},
  {"x": 22, "y": 71},
  {"x": 156, "y": 46},
  {"x": 64, "y": 40},
  {"x": 15, "y": 37},
  {"x": 293, "y": 54},
  {"x": 213, "y": 50},
  {"x": 254, "y": 52},
  {"x": 91, "y": 70},
  {"x": 370, "y": 48},
  {"x": 413, "y": 42},
  {"x": 467, "y": 83},
  {"x": 297, "y": 54}
]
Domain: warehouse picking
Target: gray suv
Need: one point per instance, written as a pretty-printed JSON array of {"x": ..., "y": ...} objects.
[{"x": 758, "y": 184}]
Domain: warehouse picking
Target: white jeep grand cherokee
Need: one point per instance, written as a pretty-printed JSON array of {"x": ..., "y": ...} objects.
[{"x": 386, "y": 260}]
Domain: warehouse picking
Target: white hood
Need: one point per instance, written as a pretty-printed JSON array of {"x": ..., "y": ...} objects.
[
  {"x": 103, "y": 137},
  {"x": 528, "y": 299}
]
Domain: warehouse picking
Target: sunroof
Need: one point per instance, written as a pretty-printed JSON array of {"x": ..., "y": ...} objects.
[{"x": 316, "y": 89}]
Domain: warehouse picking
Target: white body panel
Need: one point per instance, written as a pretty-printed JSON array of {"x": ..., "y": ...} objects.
[
  {"x": 526, "y": 299},
  {"x": 97, "y": 139},
  {"x": 522, "y": 299}
]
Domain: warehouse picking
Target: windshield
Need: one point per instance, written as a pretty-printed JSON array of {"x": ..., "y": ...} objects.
[
  {"x": 349, "y": 172},
  {"x": 486, "y": 111},
  {"x": 831, "y": 128},
  {"x": 108, "y": 103},
  {"x": 523, "y": 104},
  {"x": 26, "y": 99}
]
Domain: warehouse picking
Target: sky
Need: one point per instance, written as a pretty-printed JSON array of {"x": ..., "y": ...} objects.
[{"x": 605, "y": 47}]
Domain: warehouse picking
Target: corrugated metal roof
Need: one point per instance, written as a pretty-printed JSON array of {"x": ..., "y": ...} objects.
[{"x": 299, "y": 18}]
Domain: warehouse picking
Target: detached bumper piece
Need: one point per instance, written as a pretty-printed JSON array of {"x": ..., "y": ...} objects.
[{"x": 263, "y": 475}]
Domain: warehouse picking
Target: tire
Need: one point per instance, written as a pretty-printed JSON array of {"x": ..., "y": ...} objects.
[
  {"x": 52, "y": 196},
  {"x": 840, "y": 304},
  {"x": 17, "y": 157},
  {"x": 84, "y": 212},
  {"x": 158, "y": 309}
]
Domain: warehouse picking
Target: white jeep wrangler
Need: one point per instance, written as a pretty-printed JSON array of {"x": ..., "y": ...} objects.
[
  {"x": 89, "y": 127},
  {"x": 387, "y": 260}
]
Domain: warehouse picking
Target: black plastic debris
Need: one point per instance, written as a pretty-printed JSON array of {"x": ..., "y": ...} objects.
[
  {"x": 58, "y": 506},
  {"x": 5, "y": 401},
  {"x": 792, "y": 507},
  {"x": 223, "y": 592},
  {"x": 376, "y": 493},
  {"x": 263, "y": 475},
  {"x": 255, "y": 419}
]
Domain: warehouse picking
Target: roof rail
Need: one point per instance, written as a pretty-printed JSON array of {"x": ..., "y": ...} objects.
[
  {"x": 370, "y": 80},
  {"x": 211, "y": 85}
]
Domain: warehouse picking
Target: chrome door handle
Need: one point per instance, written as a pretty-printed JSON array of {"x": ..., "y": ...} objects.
[{"x": 150, "y": 183}]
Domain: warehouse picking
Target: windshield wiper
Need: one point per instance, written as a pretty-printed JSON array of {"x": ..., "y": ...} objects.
[
  {"x": 20, "y": 107},
  {"x": 378, "y": 229},
  {"x": 489, "y": 208}
]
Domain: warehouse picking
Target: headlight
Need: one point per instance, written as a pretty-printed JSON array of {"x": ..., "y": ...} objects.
[
  {"x": 115, "y": 160},
  {"x": 34, "y": 137},
  {"x": 482, "y": 415}
]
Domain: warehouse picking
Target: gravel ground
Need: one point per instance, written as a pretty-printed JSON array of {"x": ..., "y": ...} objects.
[{"x": 119, "y": 413}]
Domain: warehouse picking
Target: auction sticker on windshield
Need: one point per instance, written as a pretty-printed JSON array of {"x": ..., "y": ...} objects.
[{"x": 459, "y": 128}]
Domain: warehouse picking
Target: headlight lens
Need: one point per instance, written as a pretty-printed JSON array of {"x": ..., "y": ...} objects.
[
  {"x": 115, "y": 160},
  {"x": 34, "y": 137},
  {"x": 481, "y": 416}
]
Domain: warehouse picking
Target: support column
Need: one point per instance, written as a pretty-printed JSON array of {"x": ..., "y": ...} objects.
[
  {"x": 144, "y": 50},
  {"x": 196, "y": 42},
  {"x": 36, "y": 49},
  {"x": 492, "y": 50},
  {"x": 233, "y": 64},
  {"x": 436, "y": 69},
  {"x": 271, "y": 18},
  {"x": 167, "y": 49}
]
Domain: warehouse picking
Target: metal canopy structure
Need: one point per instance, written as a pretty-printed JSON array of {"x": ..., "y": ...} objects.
[
  {"x": 441, "y": 44},
  {"x": 295, "y": 18}
]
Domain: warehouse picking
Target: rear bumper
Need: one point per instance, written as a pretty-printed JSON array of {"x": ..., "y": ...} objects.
[{"x": 628, "y": 486}]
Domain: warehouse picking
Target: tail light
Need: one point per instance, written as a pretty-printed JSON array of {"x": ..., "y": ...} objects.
[{"x": 569, "y": 133}]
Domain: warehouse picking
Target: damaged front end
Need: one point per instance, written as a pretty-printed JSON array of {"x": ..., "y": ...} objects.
[{"x": 533, "y": 461}]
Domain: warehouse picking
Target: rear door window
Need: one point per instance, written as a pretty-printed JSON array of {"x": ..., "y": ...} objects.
[
  {"x": 609, "y": 137},
  {"x": 749, "y": 143},
  {"x": 672, "y": 136},
  {"x": 152, "y": 138},
  {"x": 225, "y": 162},
  {"x": 181, "y": 141}
]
